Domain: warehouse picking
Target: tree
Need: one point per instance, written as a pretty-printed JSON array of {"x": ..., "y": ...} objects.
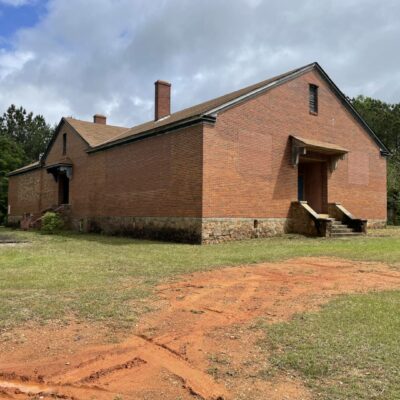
[
  {"x": 393, "y": 187},
  {"x": 11, "y": 157},
  {"x": 31, "y": 132},
  {"x": 384, "y": 119},
  {"x": 23, "y": 138}
]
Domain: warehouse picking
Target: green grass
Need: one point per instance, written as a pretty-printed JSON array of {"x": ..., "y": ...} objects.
[
  {"x": 101, "y": 278},
  {"x": 349, "y": 350}
]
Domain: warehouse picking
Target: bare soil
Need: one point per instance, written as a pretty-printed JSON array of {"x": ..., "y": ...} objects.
[{"x": 200, "y": 343}]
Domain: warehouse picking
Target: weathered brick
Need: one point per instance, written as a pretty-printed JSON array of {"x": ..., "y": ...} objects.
[{"x": 213, "y": 181}]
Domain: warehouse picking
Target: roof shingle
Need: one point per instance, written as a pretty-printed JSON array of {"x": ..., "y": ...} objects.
[
  {"x": 198, "y": 109},
  {"x": 95, "y": 134}
]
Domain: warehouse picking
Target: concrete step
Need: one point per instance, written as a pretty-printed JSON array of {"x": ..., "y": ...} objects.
[
  {"x": 342, "y": 228},
  {"x": 340, "y": 225},
  {"x": 346, "y": 234}
]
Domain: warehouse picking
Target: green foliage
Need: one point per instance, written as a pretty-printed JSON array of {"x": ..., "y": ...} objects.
[
  {"x": 11, "y": 157},
  {"x": 349, "y": 350},
  {"x": 393, "y": 187},
  {"x": 384, "y": 119},
  {"x": 23, "y": 137},
  {"x": 29, "y": 131},
  {"x": 51, "y": 222}
]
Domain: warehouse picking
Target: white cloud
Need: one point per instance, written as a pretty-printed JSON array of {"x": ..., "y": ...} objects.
[
  {"x": 103, "y": 56},
  {"x": 13, "y": 62}
]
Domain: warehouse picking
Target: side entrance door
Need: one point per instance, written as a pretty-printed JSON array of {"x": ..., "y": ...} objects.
[
  {"x": 300, "y": 187},
  {"x": 63, "y": 189}
]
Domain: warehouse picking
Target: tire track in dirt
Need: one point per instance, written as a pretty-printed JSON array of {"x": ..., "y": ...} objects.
[{"x": 172, "y": 348}]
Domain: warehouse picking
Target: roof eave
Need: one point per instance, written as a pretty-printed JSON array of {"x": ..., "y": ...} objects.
[
  {"x": 214, "y": 111},
  {"x": 155, "y": 131},
  {"x": 23, "y": 170}
]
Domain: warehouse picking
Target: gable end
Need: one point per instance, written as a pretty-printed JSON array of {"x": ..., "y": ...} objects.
[
  {"x": 344, "y": 100},
  {"x": 54, "y": 137}
]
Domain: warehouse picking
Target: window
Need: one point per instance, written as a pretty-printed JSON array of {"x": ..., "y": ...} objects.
[
  {"x": 313, "y": 99},
  {"x": 64, "y": 148}
]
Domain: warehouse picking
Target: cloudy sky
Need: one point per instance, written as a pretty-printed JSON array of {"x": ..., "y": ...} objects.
[{"x": 80, "y": 57}]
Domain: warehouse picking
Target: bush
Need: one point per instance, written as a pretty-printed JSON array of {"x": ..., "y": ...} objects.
[{"x": 51, "y": 222}]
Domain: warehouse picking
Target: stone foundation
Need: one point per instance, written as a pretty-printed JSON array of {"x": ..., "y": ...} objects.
[
  {"x": 376, "y": 223},
  {"x": 13, "y": 221},
  {"x": 303, "y": 219},
  {"x": 195, "y": 230},
  {"x": 173, "y": 229},
  {"x": 217, "y": 230},
  {"x": 186, "y": 230}
]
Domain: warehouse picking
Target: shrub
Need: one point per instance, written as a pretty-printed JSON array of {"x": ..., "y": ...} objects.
[{"x": 51, "y": 222}]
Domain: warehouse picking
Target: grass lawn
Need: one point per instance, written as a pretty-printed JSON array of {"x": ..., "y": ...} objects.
[
  {"x": 94, "y": 277},
  {"x": 348, "y": 350}
]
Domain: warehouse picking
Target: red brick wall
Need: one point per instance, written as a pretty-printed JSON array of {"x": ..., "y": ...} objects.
[
  {"x": 80, "y": 184},
  {"x": 159, "y": 176},
  {"x": 23, "y": 193},
  {"x": 246, "y": 156},
  {"x": 248, "y": 172},
  {"x": 31, "y": 192}
]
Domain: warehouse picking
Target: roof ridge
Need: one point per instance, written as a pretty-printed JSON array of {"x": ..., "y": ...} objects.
[
  {"x": 231, "y": 95},
  {"x": 93, "y": 123}
]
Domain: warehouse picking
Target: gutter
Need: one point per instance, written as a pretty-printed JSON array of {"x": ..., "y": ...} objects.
[
  {"x": 156, "y": 131},
  {"x": 24, "y": 170}
]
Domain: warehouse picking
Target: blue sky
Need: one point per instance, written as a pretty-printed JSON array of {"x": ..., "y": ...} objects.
[
  {"x": 81, "y": 57},
  {"x": 14, "y": 17}
]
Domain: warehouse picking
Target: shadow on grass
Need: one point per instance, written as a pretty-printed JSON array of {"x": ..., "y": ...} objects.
[
  {"x": 10, "y": 238},
  {"x": 114, "y": 240}
]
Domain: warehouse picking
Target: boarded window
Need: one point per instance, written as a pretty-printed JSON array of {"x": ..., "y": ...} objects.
[
  {"x": 254, "y": 157},
  {"x": 358, "y": 165},
  {"x": 313, "y": 99}
]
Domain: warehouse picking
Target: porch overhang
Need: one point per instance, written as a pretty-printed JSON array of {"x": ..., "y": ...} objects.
[
  {"x": 301, "y": 146},
  {"x": 63, "y": 166}
]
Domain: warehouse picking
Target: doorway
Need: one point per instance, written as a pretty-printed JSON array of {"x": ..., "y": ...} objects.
[
  {"x": 63, "y": 189},
  {"x": 312, "y": 185}
]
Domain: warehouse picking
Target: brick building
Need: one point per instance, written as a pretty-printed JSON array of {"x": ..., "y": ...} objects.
[{"x": 289, "y": 154}]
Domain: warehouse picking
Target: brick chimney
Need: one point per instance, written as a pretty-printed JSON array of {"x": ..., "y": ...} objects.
[
  {"x": 100, "y": 119},
  {"x": 162, "y": 106}
]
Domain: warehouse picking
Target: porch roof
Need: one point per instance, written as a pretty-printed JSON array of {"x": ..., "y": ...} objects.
[
  {"x": 64, "y": 162},
  {"x": 318, "y": 146},
  {"x": 63, "y": 165}
]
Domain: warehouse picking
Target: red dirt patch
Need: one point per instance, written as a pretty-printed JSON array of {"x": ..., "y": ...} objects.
[{"x": 201, "y": 343}]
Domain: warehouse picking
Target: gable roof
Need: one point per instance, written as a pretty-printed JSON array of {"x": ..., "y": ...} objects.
[
  {"x": 208, "y": 110},
  {"x": 101, "y": 137},
  {"x": 203, "y": 108},
  {"x": 95, "y": 134}
]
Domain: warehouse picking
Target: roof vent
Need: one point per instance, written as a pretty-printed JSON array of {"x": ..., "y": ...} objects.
[{"x": 100, "y": 119}]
